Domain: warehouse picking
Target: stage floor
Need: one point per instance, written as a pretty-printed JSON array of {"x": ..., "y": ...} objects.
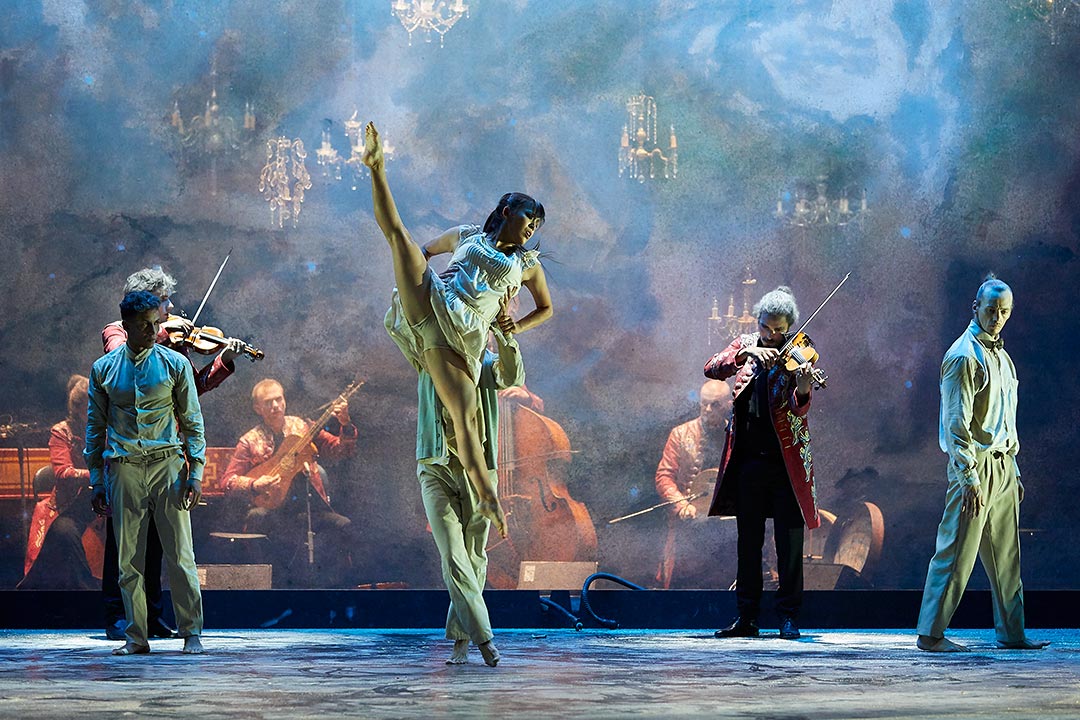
[{"x": 560, "y": 673}]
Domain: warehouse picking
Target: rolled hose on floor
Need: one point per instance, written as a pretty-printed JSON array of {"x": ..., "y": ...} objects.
[{"x": 604, "y": 622}]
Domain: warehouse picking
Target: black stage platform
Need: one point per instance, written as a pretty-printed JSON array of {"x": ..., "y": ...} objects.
[{"x": 647, "y": 609}]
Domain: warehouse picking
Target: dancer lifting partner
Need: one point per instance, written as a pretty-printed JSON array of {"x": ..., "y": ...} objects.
[{"x": 441, "y": 321}]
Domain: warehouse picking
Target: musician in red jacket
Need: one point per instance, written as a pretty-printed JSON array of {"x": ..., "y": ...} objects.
[
  {"x": 689, "y": 558},
  {"x": 286, "y": 525},
  {"x": 767, "y": 469}
]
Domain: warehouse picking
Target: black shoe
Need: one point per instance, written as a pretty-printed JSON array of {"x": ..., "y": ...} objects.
[
  {"x": 739, "y": 628},
  {"x": 116, "y": 630},
  {"x": 789, "y": 630},
  {"x": 158, "y": 629}
]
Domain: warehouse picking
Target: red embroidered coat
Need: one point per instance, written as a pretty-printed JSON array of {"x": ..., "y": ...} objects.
[{"x": 789, "y": 419}]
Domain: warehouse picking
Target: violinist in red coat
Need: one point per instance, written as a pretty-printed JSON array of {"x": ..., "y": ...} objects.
[{"x": 766, "y": 468}]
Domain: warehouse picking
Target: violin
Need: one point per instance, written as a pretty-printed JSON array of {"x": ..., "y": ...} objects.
[
  {"x": 799, "y": 350},
  {"x": 205, "y": 340}
]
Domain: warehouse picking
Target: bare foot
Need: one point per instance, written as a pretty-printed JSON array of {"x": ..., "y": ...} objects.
[
  {"x": 939, "y": 645},
  {"x": 373, "y": 153},
  {"x": 1024, "y": 644},
  {"x": 492, "y": 510},
  {"x": 193, "y": 645},
  {"x": 130, "y": 648},
  {"x": 460, "y": 656},
  {"x": 490, "y": 653}
]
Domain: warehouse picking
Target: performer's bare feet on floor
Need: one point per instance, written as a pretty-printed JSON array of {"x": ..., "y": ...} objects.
[
  {"x": 460, "y": 656},
  {"x": 130, "y": 648},
  {"x": 940, "y": 645},
  {"x": 490, "y": 653},
  {"x": 193, "y": 645},
  {"x": 1024, "y": 644}
]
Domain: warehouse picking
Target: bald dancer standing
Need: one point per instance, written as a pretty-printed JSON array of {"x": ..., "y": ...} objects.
[{"x": 982, "y": 503}]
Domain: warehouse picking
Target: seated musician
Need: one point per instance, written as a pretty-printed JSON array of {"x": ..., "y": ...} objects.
[
  {"x": 286, "y": 523},
  {"x": 690, "y": 558},
  {"x": 55, "y": 554}
]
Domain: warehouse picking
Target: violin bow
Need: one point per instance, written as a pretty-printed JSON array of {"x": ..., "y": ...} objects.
[
  {"x": 814, "y": 314},
  {"x": 210, "y": 289}
]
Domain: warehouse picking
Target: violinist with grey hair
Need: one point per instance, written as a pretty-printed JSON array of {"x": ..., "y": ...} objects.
[{"x": 766, "y": 468}]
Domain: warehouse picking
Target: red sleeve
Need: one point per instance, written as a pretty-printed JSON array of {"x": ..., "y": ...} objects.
[
  {"x": 668, "y": 470},
  {"x": 235, "y": 478},
  {"x": 793, "y": 402},
  {"x": 212, "y": 375},
  {"x": 113, "y": 336},
  {"x": 722, "y": 365},
  {"x": 336, "y": 447},
  {"x": 60, "y": 456}
]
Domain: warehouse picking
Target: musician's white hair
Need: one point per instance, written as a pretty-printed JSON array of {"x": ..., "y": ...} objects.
[
  {"x": 780, "y": 301},
  {"x": 151, "y": 279}
]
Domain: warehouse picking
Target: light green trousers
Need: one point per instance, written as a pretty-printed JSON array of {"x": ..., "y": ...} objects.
[
  {"x": 994, "y": 537},
  {"x": 460, "y": 534},
  {"x": 137, "y": 492}
]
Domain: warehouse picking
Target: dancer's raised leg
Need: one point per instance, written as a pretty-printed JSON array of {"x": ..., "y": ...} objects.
[
  {"x": 457, "y": 391},
  {"x": 409, "y": 261}
]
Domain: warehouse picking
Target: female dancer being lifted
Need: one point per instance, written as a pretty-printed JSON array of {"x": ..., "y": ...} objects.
[{"x": 441, "y": 322}]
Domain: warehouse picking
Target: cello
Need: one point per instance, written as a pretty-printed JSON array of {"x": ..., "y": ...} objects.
[{"x": 545, "y": 523}]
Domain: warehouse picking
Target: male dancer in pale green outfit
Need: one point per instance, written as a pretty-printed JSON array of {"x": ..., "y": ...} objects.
[
  {"x": 140, "y": 395},
  {"x": 982, "y": 504},
  {"x": 450, "y": 500}
]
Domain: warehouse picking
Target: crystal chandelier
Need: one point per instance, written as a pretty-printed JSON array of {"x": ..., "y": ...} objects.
[
  {"x": 284, "y": 158},
  {"x": 210, "y": 135},
  {"x": 333, "y": 164},
  {"x": 428, "y": 15},
  {"x": 639, "y": 159},
  {"x": 808, "y": 208},
  {"x": 1054, "y": 14}
]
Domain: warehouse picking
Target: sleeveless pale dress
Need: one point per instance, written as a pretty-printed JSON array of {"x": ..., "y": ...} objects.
[{"x": 464, "y": 300}]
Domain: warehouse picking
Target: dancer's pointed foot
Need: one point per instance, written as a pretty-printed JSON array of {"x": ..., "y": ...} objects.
[
  {"x": 939, "y": 645},
  {"x": 373, "y": 152},
  {"x": 130, "y": 648},
  {"x": 1024, "y": 644},
  {"x": 460, "y": 656},
  {"x": 490, "y": 653},
  {"x": 193, "y": 645}
]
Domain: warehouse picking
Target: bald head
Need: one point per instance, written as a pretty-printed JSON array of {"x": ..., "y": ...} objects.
[
  {"x": 993, "y": 305},
  {"x": 715, "y": 403}
]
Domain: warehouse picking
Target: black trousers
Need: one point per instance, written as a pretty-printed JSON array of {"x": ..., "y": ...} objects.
[
  {"x": 110, "y": 577},
  {"x": 764, "y": 491}
]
